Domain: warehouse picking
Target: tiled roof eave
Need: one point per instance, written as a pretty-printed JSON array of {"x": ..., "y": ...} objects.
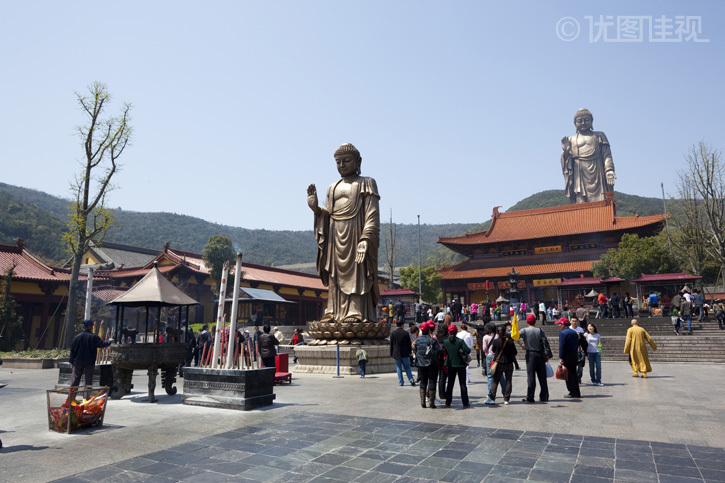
[{"x": 473, "y": 240}]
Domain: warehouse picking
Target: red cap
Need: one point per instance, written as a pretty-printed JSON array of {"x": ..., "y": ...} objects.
[
  {"x": 562, "y": 321},
  {"x": 530, "y": 319},
  {"x": 427, "y": 325},
  {"x": 452, "y": 329}
]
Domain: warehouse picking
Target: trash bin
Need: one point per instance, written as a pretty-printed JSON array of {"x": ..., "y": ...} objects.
[{"x": 74, "y": 408}]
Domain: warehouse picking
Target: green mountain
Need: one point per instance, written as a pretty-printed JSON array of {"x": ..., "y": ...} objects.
[
  {"x": 39, "y": 228},
  {"x": 627, "y": 205},
  {"x": 47, "y": 213},
  {"x": 39, "y": 218}
]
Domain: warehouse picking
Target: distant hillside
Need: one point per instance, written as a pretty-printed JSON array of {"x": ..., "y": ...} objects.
[
  {"x": 627, "y": 205},
  {"x": 39, "y": 228},
  {"x": 38, "y": 218},
  {"x": 152, "y": 230}
]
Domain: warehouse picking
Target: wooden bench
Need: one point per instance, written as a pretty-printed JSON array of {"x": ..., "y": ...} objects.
[{"x": 281, "y": 377}]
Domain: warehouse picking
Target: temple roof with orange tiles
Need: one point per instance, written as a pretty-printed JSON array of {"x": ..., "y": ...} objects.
[
  {"x": 552, "y": 222},
  {"x": 544, "y": 243},
  {"x": 170, "y": 260},
  {"x": 28, "y": 268}
]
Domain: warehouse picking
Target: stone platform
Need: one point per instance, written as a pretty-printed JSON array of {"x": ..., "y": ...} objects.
[
  {"x": 323, "y": 359},
  {"x": 228, "y": 388}
]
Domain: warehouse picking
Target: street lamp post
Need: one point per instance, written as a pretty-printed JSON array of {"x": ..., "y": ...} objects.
[{"x": 420, "y": 278}]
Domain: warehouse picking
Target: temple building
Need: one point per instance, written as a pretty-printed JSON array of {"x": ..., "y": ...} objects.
[
  {"x": 40, "y": 293},
  {"x": 286, "y": 297},
  {"x": 543, "y": 246}
]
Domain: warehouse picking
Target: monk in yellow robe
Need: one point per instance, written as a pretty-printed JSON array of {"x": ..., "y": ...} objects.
[
  {"x": 347, "y": 231},
  {"x": 636, "y": 347}
]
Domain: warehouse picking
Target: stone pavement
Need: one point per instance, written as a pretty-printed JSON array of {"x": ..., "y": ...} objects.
[{"x": 665, "y": 428}]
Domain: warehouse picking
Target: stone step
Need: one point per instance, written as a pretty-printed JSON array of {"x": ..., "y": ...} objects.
[{"x": 670, "y": 348}]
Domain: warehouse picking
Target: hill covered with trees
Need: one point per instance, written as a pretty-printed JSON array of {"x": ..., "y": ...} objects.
[{"x": 39, "y": 218}]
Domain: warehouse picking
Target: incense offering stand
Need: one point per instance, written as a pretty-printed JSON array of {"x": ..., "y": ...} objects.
[{"x": 151, "y": 356}]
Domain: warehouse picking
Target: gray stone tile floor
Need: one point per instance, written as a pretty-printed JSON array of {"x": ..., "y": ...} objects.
[
  {"x": 667, "y": 428},
  {"x": 364, "y": 449}
]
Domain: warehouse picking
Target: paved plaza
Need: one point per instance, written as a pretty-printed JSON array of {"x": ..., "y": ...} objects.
[{"x": 664, "y": 428}]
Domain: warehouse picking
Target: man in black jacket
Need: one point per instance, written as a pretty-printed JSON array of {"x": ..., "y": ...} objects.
[
  {"x": 400, "y": 310},
  {"x": 400, "y": 348},
  {"x": 267, "y": 347},
  {"x": 83, "y": 351},
  {"x": 568, "y": 344},
  {"x": 456, "y": 308}
]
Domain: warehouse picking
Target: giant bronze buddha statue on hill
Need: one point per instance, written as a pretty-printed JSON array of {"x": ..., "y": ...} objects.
[
  {"x": 586, "y": 162},
  {"x": 347, "y": 231}
]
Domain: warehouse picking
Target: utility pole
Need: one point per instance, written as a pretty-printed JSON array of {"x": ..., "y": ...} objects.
[
  {"x": 667, "y": 225},
  {"x": 420, "y": 276}
]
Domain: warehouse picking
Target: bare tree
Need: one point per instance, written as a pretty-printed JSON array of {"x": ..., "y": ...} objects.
[
  {"x": 690, "y": 235},
  {"x": 702, "y": 221},
  {"x": 391, "y": 251},
  {"x": 103, "y": 140}
]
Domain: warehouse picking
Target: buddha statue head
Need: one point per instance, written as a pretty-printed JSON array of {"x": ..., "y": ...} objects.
[
  {"x": 348, "y": 159},
  {"x": 583, "y": 120}
]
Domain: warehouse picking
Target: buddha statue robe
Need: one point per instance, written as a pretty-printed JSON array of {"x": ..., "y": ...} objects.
[
  {"x": 585, "y": 167},
  {"x": 350, "y": 215}
]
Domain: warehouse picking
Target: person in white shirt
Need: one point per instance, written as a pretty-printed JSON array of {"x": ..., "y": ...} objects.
[
  {"x": 468, "y": 339},
  {"x": 594, "y": 355},
  {"x": 575, "y": 325},
  {"x": 279, "y": 335},
  {"x": 542, "y": 312}
]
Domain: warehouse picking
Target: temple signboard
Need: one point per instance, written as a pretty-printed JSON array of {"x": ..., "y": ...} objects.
[
  {"x": 479, "y": 286},
  {"x": 583, "y": 246},
  {"x": 506, "y": 285},
  {"x": 513, "y": 253},
  {"x": 544, "y": 250},
  {"x": 545, "y": 282}
]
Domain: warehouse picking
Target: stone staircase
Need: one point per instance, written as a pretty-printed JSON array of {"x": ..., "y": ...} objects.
[{"x": 705, "y": 345}]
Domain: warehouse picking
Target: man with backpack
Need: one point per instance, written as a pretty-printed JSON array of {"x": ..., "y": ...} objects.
[
  {"x": 427, "y": 353},
  {"x": 537, "y": 354}
]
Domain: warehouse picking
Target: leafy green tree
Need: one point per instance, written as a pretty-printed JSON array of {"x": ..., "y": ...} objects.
[
  {"x": 430, "y": 281},
  {"x": 11, "y": 330},
  {"x": 636, "y": 256},
  {"x": 217, "y": 251},
  {"x": 104, "y": 141}
]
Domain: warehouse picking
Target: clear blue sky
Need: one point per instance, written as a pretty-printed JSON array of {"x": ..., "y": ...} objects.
[{"x": 456, "y": 107}]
